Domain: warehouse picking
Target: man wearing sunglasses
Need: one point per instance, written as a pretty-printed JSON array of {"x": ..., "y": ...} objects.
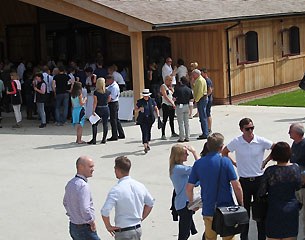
[{"x": 249, "y": 156}]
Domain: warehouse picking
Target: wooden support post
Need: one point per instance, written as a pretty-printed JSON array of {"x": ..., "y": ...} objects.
[{"x": 137, "y": 64}]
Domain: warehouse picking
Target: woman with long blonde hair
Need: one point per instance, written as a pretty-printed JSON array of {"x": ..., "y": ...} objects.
[
  {"x": 179, "y": 174},
  {"x": 101, "y": 98}
]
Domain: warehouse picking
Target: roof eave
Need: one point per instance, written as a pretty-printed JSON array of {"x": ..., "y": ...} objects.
[{"x": 164, "y": 26}]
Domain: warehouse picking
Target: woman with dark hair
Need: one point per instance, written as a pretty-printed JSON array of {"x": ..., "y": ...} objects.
[
  {"x": 280, "y": 182},
  {"x": 78, "y": 111},
  {"x": 40, "y": 98},
  {"x": 179, "y": 175}
]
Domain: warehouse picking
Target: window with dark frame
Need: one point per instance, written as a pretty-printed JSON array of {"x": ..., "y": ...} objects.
[
  {"x": 290, "y": 41},
  {"x": 247, "y": 48}
]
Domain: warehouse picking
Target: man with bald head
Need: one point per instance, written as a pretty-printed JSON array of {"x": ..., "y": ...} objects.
[
  {"x": 78, "y": 202},
  {"x": 296, "y": 133}
]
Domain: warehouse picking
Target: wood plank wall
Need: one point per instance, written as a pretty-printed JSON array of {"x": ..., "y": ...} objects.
[
  {"x": 200, "y": 45},
  {"x": 272, "y": 69}
]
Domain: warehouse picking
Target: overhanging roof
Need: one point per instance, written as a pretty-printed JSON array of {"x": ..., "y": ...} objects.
[{"x": 171, "y": 13}]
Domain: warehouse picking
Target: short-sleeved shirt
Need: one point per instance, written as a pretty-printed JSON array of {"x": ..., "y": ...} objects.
[
  {"x": 128, "y": 197},
  {"x": 209, "y": 85},
  {"x": 183, "y": 94},
  {"x": 249, "y": 156},
  {"x": 102, "y": 98},
  {"x": 298, "y": 153},
  {"x": 114, "y": 90},
  {"x": 180, "y": 175},
  {"x": 61, "y": 81},
  {"x": 206, "y": 170}
]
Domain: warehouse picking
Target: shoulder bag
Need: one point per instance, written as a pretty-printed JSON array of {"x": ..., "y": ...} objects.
[{"x": 230, "y": 220}]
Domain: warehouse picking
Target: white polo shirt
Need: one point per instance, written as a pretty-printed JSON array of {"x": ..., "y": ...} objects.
[{"x": 249, "y": 156}]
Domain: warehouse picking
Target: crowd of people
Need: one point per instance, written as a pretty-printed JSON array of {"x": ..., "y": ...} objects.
[
  {"x": 94, "y": 91},
  {"x": 46, "y": 89},
  {"x": 282, "y": 184}
]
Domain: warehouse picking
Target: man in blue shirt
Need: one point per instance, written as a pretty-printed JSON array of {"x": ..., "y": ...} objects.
[
  {"x": 216, "y": 175},
  {"x": 78, "y": 202}
]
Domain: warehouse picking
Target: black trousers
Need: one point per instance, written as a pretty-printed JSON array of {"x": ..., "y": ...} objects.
[
  {"x": 103, "y": 113},
  {"x": 116, "y": 127},
  {"x": 168, "y": 112},
  {"x": 186, "y": 223},
  {"x": 250, "y": 188},
  {"x": 146, "y": 129}
]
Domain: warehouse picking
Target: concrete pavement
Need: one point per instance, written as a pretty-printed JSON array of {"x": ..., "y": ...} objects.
[{"x": 37, "y": 163}]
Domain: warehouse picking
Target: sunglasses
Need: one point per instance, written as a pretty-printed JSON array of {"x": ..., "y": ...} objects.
[{"x": 249, "y": 128}]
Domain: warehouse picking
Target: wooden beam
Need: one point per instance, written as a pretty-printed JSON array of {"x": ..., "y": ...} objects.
[
  {"x": 76, "y": 12},
  {"x": 137, "y": 64},
  {"x": 97, "y": 7}
]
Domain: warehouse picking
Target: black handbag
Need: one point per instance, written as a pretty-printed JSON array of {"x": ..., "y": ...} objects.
[
  {"x": 231, "y": 220},
  {"x": 160, "y": 123},
  {"x": 260, "y": 208},
  {"x": 228, "y": 221}
]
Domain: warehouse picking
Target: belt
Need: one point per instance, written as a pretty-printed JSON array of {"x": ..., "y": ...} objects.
[
  {"x": 128, "y": 228},
  {"x": 102, "y": 106},
  {"x": 81, "y": 225},
  {"x": 250, "y": 179}
]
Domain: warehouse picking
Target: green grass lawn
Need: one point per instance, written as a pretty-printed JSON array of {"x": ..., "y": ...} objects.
[{"x": 287, "y": 99}]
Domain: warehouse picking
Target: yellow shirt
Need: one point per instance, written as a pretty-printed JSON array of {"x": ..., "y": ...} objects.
[{"x": 200, "y": 88}]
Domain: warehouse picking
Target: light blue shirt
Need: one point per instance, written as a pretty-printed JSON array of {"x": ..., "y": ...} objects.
[
  {"x": 114, "y": 90},
  {"x": 128, "y": 197},
  {"x": 179, "y": 177},
  {"x": 78, "y": 201}
]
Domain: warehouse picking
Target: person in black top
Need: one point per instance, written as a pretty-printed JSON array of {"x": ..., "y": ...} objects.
[
  {"x": 101, "y": 98},
  {"x": 40, "y": 97},
  {"x": 155, "y": 83},
  {"x": 146, "y": 107},
  {"x": 182, "y": 96},
  {"x": 61, "y": 86}
]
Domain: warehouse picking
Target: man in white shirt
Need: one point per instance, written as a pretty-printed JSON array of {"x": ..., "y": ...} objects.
[
  {"x": 20, "y": 70},
  {"x": 249, "y": 154},
  {"x": 167, "y": 70},
  {"x": 132, "y": 203}
]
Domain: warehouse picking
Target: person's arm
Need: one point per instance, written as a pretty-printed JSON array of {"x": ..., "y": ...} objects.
[
  {"x": 189, "y": 191},
  {"x": 157, "y": 111},
  {"x": 94, "y": 104},
  {"x": 54, "y": 87},
  {"x": 109, "y": 98},
  {"x": 111, "y": 229},
  {"x": 146, "y": 211},
  {"x": 82, "y": 100},
  {"x": 193, "y": 151},
  {"x": 85, "y": 206},
  {"x": 225, "y": 153},
  {"x": 238, "y": 191},
  {"x": 42, "y": 90},
  {"x": 267, "y": 159}
]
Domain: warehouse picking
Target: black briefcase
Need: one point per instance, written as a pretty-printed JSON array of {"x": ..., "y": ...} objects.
[{"x": 228, "y": 221}]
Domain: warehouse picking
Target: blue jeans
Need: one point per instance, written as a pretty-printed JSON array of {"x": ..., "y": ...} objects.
[
  {"x": 62, "y": 99},
  {"x": 202, "y": 105},
  {"x": 41, "y": 112},
  {"x": 83, "y": 232}
]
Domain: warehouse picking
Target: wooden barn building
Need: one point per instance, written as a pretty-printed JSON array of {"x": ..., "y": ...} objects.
[{"x": 250, "y": 47}]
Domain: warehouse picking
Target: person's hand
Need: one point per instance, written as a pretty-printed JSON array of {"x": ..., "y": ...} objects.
[
  {"x": 190, "y": 148},
  {"x": 93, "y": 226},
  {"x": 111, "y": 229},
  {"x": 141, "y": 109},
  {"x": 93, "y": 113},
  {"x": 264, "y": 163}
]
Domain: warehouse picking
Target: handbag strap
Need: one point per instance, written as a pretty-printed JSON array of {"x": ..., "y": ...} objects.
[{"x": 218, "y": 180}]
